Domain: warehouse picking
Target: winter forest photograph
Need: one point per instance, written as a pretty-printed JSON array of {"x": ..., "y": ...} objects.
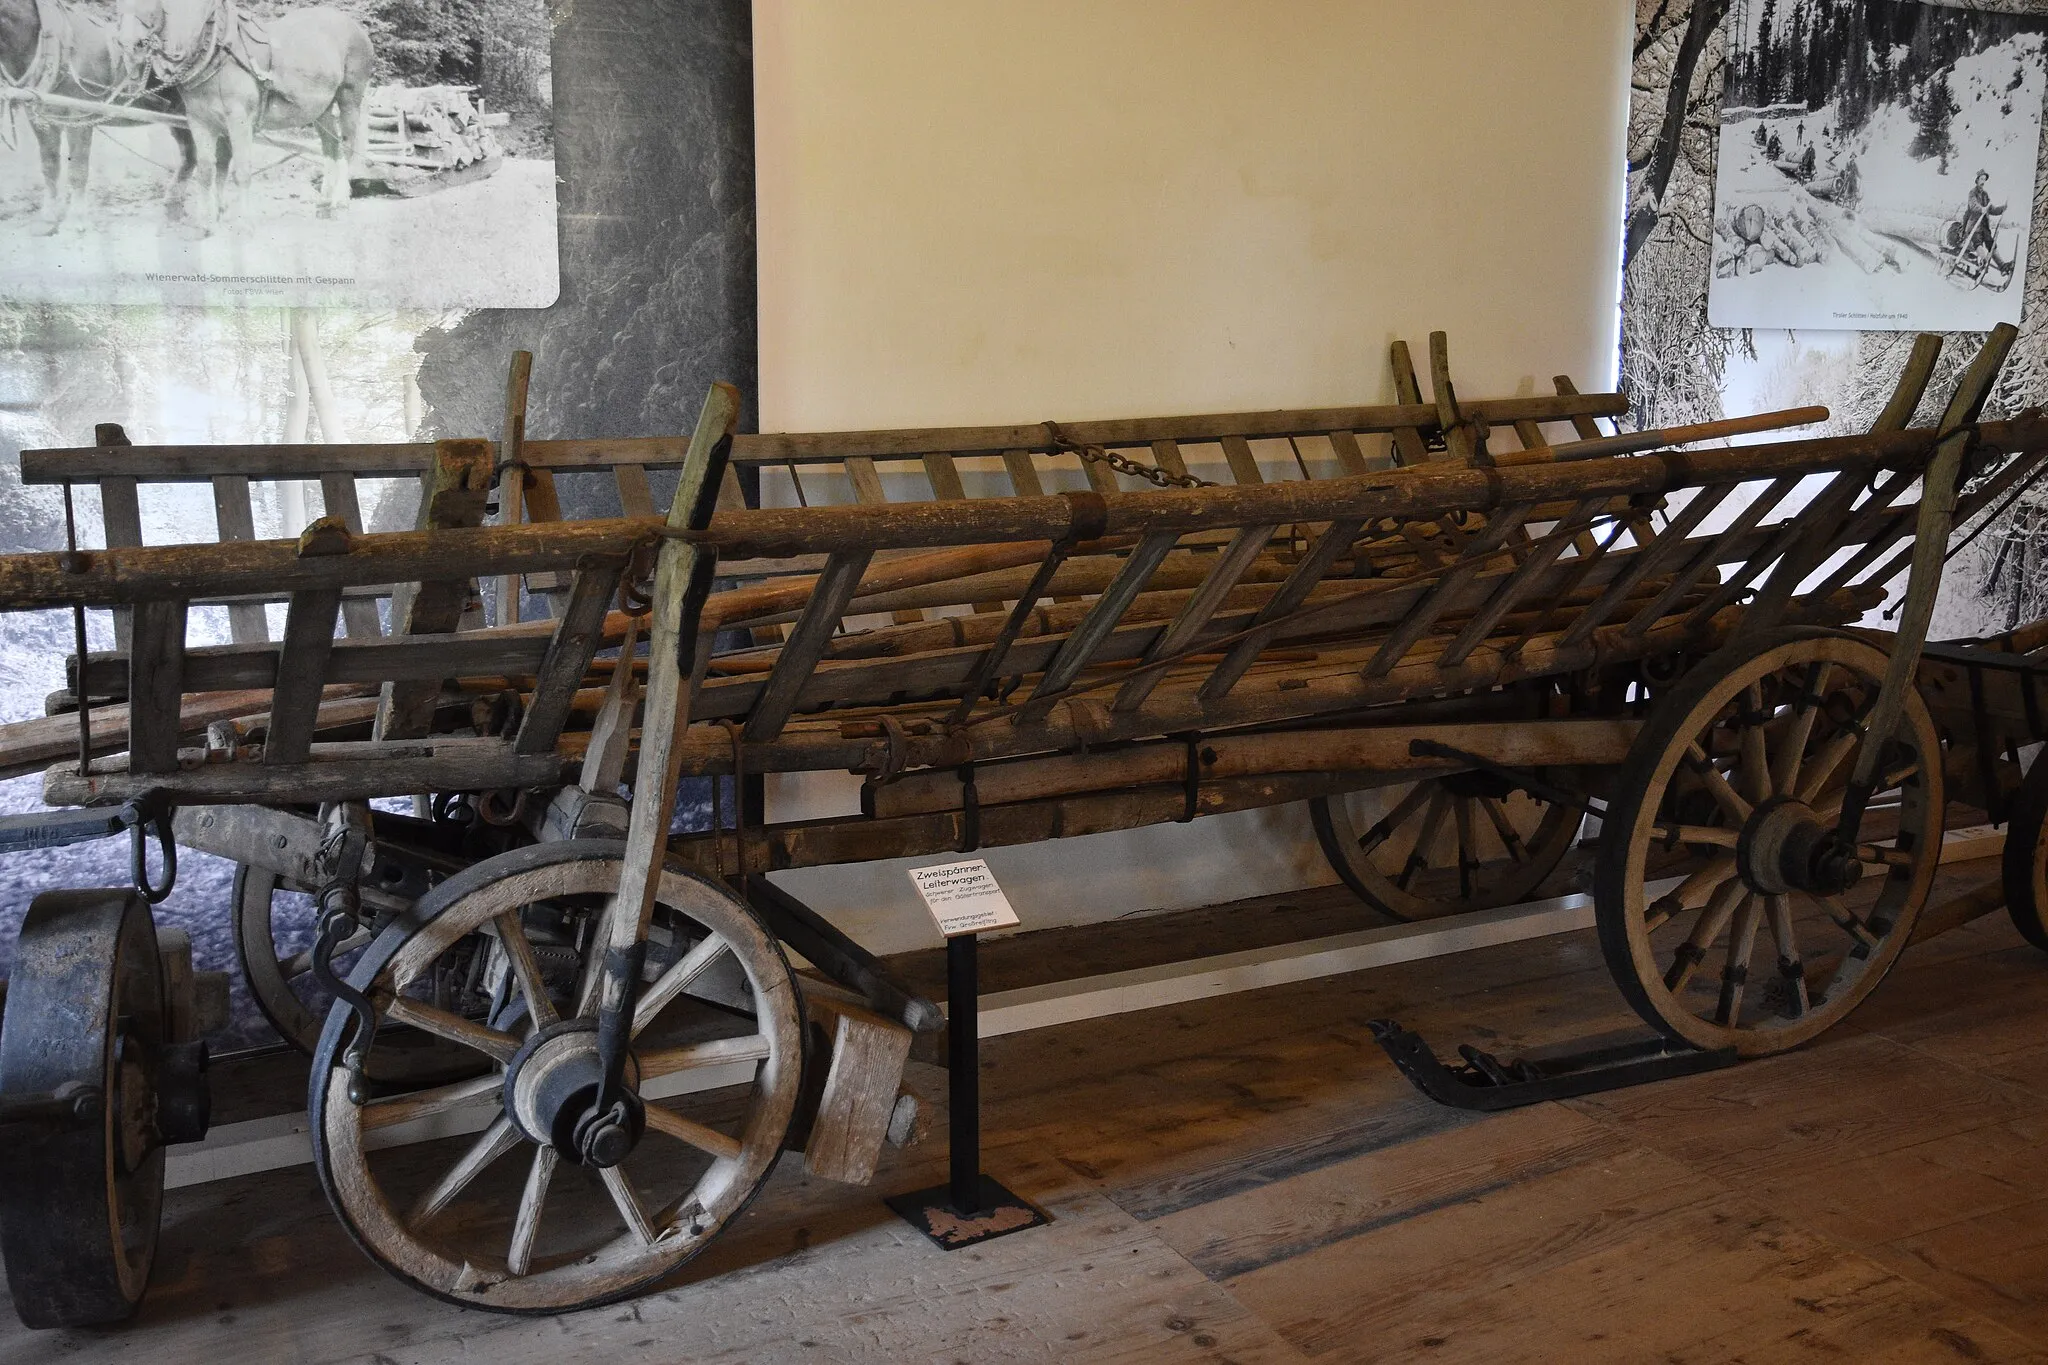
[{"x": 1876, "y": 166}]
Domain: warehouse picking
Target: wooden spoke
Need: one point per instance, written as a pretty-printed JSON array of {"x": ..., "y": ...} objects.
[
  {"x": 720, "y": 1051},
  {"x": 1468, "y": 855},
  {"x": 526, "y": 1224},
  {"x": 628, "y": 1204},
  {"x": 1886, "y": 857},
  {"x": 525, "y": 969},
  {"x": 695, "y": 1134},
  {"x": 1886, "y": 782},
  {"x": 1735, "y": 975},
  {"x": 1792, "y": 744},
  {"x": 426, "y": 1103},
  {"x": 1509, "y": 839},
  {"x": 1815, "y": 780},
  {"x": 1686, "y": 958},
  {"x": 677, "y": 979},
  {"x": 500, "y": 1047},
  {"x": 1755, "y": 769},
  {"x": 299, "y": 963},
  {"x": 1717, "y": 786},
  {"x": 1786, "y": 938},
  {"x": 1708, "y": 836},
  {"x": 1395, "y": 818},
  {"x": 1432, "y": 823},
  {"x": 496, "y": 1140},
  {"x": 1846, "y": 920},
  {"x": 1680, "y": 898}
]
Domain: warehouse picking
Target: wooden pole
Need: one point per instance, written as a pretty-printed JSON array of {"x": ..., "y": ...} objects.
[{"x": 682, "y": 580}]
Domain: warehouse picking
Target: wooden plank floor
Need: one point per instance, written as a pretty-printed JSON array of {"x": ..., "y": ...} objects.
[{"x": 1247, "y": 1179}]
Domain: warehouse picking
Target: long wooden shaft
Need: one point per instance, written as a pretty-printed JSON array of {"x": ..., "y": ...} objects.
[
  {"x": 682, "y": 579},
  {"x": 1403, "y": 494},
  {"x": 197, "y": 463},
  {"x": 1629, "y": 443},
  {"x": 119, "y": 577},
  {"x": 1376, "y": 748},
  {"x": 1930, "y": 550}
]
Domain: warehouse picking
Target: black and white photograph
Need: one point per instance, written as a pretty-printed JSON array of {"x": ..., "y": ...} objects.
[
  {"x": 1876, "y": 166},
  {"x": 278, "y": 153}
]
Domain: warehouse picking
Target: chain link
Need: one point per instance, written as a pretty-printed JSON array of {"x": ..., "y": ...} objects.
[{"x": 1122, "y": 464}]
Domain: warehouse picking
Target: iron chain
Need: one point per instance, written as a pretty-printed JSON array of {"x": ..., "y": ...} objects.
[{"x": 1091, "y": 453}]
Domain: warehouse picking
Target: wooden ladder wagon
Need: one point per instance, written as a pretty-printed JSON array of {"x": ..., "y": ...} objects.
[
  {"x": 621, "y": 1007},
  {"x": 276, "y": 849}
]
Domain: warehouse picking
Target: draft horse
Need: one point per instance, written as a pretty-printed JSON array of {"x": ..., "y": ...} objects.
[
  {"x": 49, "y": 48},
  {"x": 237, "y": 77}
]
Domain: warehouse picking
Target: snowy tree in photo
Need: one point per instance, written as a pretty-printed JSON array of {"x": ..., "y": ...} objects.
[{"x": 1931, "y": 116}]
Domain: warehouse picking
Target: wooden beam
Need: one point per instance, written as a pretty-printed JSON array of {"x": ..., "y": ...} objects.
[
  {"x": 156, "y": 686},
  {"x": 1200, "y": 608},
  {"x": 301, "y": 675},
  {"x": 577, "y": 637},
  {"x": 236, "y": 520},
  {"x": 453, "y": 497},
  {"x": 806, "y": 645}
]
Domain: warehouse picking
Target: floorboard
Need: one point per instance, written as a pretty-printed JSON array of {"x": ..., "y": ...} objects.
[{"x": 1247, "y": 1179}]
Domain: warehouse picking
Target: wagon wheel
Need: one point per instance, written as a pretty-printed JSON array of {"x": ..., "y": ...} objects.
[
  {"x": 79, "y": 1204},
  {"x": 277, "y": 964},
  {"x": 542, "y": 1231},
  {"x": 1741, "y": 768},
  {"x": 2026, "y": 857},
  {"x": 1469, "y": 841}
]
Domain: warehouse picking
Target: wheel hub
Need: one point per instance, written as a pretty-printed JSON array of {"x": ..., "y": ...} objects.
[
  {"x": 551, "y": 1091},
  {"x": 1785, "y": 847}
]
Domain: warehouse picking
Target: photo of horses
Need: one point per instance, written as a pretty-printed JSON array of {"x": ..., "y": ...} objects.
[
  {"x": 338, "y": 153},
  {"x": 1876, "y": 165}
]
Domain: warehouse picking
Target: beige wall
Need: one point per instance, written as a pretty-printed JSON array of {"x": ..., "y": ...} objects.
[{"x": 1009, "y": 210}]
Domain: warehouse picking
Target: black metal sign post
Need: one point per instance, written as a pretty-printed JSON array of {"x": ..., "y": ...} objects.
[{"x": 970, "y": 1207}]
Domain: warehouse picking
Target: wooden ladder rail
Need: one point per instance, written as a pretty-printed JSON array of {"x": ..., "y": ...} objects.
[
  {"x": 1797, "y": 552},
  {"x": 1543, "y": 552},
  {"x": 1670, "y": 542},
  {"x": 807, "y": 642},
  {"x": 338, "y": 492},
  {"x": 1082, "y": 643},
  {"x": 1196, "y": 613},
  {"x": 156, "y": 663},
  {"x": 1504, "y": 525},
  {"x": 302, "y": 663},
  {"x": 1707, "y": 557},
  {"x": 944, "y": 473},
  {"x": 867, "y": 490},
  {"x": 455, "y": 488},
  {"x": 1875, "y": 526},
  {"x": 1336, "y": 539},
  {"x": 1464, "y": 434},
  {"x": 512, "y": 474},
  {"x": 578, "y": 634},
  {"x": 1410, "y": 448},
  {"x": 235, "y": 519},
  {"x": 1641, "y": 526},
  {"x": 120, "y": 516},
  {"x": 1905, "y": 401},
  {"x": 1966, "y": 507},
  {"x": 1797, "y": 546}
]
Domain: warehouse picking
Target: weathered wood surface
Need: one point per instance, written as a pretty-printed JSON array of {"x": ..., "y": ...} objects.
[
  {"x": 198, "y": 464},
  {"x": 862, "y": 1080},
  {"x": 117, "y": 577},
  {"x": 1235, "y": 1169}
]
